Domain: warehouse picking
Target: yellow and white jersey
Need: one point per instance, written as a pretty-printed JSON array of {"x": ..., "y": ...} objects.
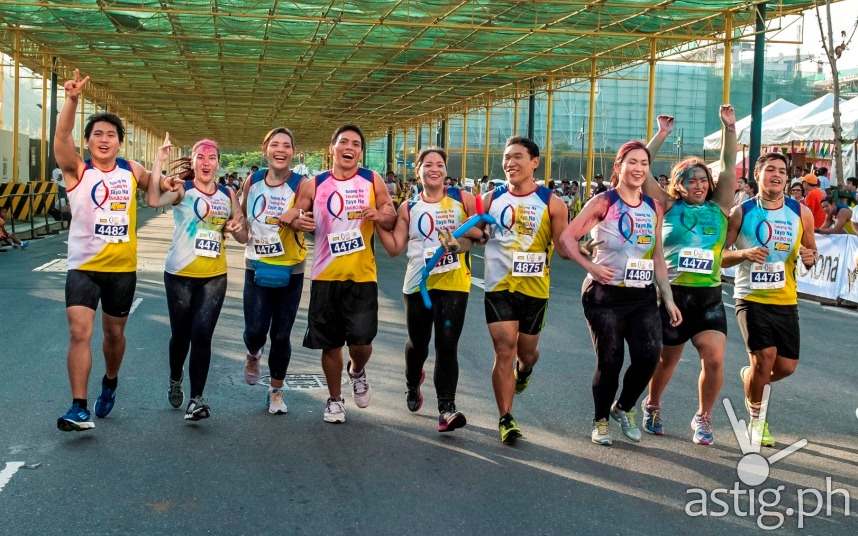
[
  {"x": 453, "y": 271},
  {"x": 103, "y": 230},
  {"x": 197, "y": 249},
  {"x": 518, "y": 253},
  {"x": 270, "y": 241},
  {"x": 627, "y": 236}
]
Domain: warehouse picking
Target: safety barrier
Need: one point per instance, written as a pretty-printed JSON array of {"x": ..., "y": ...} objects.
[{"x": 28, "y": 201}]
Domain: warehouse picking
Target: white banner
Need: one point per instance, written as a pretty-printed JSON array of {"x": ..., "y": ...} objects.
[
  {"x": 825, "y": 278},
  {"x": 849, "y": 285}
]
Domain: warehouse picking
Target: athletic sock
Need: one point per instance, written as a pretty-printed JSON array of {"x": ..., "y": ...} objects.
[
  {"x": 110, "y": 384},
  {"x": 79, "y": 402}
]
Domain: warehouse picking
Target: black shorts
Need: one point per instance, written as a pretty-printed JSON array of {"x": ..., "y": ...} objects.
[
  {"x": 763, "y": 326},
  {"x": 702, "y": 310},
  {"x": 114, "y": 289},
  {"x": 340, "y": 313},
  {"x": 529, "y": 312}
]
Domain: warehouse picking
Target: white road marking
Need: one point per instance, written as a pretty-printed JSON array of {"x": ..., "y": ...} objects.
[
  {"x": 7, "y": 473},
  {"x": 842, "y": 310},
  {"x": 478, "y": 282},
  {"x": 56, "y": 265},
  {"x": 730, "y": 305},
  {"x": 478, "y": 256},
  {"x": 134, "y": 305}
]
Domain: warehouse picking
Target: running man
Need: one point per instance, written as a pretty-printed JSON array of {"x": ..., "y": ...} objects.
[
  {"x": 342, "y": 207},
  {"x": 619, "y": 298},
  {"x": 771, "y": 233},
  {"x": 517, "y": 273},
  {"x": 694, "y": 231},
  {"x": 424, "y": 224},
  {"x": 274, "y": 271},
  {"x": 195, "y": 267},
  {"x": 102, "y": 249}
]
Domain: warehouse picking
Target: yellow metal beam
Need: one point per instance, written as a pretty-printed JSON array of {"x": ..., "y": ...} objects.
[
  {"x": 548, "y": 126},
  {"x": 43, "y": 146},
  {"x": 464, "y": 171},
  {"x": 16, "y": 106},
  {"x": 591, "y": 157},
  {"x": 728, "y": 56},
  {"x": 650, "y": 103},
  {"x": 488, "y": 139},
  {"x": 80, "y": 132},
  {"x": 515, "y": 112}
]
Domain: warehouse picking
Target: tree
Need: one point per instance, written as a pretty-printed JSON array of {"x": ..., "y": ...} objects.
[{"x": 833, "y": 53}]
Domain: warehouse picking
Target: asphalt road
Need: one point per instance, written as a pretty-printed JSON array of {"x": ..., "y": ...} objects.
[{"x": 143, "y": 470}]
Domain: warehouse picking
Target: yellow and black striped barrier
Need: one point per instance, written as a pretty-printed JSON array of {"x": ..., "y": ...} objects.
[{"x": 24, "y": 197}]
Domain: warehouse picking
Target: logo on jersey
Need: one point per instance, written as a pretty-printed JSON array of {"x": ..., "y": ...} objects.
[
  {"x": 336, "y": 204},
  {"x": 100, "y": 193},
  {"x": 684, "y": 221},
  {"x": 764, "y": 233},
  {"x": 258, "y": 208},
  {"x": 626, "y": 226},
  {"x": 202, "y": 208},
  {"x": 507, "y": 217},
  {"x": 426, "y": 225}
]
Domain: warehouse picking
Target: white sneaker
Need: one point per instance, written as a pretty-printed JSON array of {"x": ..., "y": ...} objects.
[
  {"x": 276, "y": 404},
  {"x": 335, "y": 410},
  {"x": 251, "y": 368},
  {"x": 600, "y": 434},
  {"x": 360, "y": 389},
  {"x": 628, "y": 422}
]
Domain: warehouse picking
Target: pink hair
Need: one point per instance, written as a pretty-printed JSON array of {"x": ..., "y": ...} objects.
[{"x": 206, "y": 142}]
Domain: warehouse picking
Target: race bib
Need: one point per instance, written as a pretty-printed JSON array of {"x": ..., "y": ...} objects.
[
  {"x": 112, "y": 227},
  {"x": 448, "y": 262},
  {"x": 346, "y": 242},
  {"x": 268, "y": 246},
  {"x": 639, "y": 273},
  {"x": 207, "y": 243},
  {"x": 769, "y": 275},
  {"x": 696, "y": 261},
  {"x": 528, "y": 264}
]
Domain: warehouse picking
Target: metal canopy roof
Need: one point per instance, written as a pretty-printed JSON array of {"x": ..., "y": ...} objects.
[{"x": 232, "y": 69}]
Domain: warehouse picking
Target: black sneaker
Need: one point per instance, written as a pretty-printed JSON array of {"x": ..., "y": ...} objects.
[
  {"x": 414, "y": 397},
  {"x": 450, "y": 419},
  {"x": 197, "y": 410}
]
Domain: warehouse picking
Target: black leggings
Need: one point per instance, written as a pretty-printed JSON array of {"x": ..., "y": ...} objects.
[
  {"x": 194, "y": 304},
  {"x": 271, "y": 311},
  {"x": 448, "y": 316},
  {"x": 617, "y": 314}
]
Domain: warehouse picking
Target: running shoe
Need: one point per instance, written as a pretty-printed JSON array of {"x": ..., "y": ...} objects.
[
  {"x": 360, "y": 389},
  {"x": 414, "y": 397},
  {"x": 652, "y": 419},
  {"x": 276, "y": 404},
  {"x": 175, "y": 394},
  {"x": 742, "y": 373},
  {"x": 509, "y": 430},
  {"x": 104, "y": 402},
  {"x": 335, "y": 410},
  {"x": 24, "y": 244},
  {"x": 702, "y": 427},
  {"x": 251, "y": 368},
  {"x": 600, "y": 434},
  {"x": 197, "y": 410},
  {"x": 76, "y": 419},
  {"x": 628, "y": 422},
  {"x": 759, "y": 432},
  {"x": 522, "y": 379},
  {"x": 450, "y": 419}
]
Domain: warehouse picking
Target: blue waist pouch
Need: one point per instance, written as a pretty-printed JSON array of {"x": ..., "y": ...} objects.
[{"x": 271, "y": 275}]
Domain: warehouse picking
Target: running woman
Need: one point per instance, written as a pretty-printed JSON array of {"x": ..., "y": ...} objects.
[
  {"x": 195, "y": 268},
  {"x": 694, "y": 231},
  {"x": 102, "y": 249},
  {"x": 517, "y": 273},
  {"x": 347, "y": 202},
  {"x": 424, "y": 224},
  {"x": 619, "y": 298},
  {"x": 274, "y": 271},
  {"x": 771, "y": 233}
]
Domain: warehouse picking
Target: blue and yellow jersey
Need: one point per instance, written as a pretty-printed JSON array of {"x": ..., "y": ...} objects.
[
  {"x": 197, "y": 249},
  {"x": 270, "y": 241},
  {"x": 103, "y": 230},
  {"x": 779, "y": 230},
  {"x": 627, "y": 236},
  {"x": 453, "y": 271},
  {"x": 518, "y": 253}
]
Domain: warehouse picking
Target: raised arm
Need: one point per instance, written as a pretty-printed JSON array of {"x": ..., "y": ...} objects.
[
  {"x": 726, "y": 187},
  {"x": 155, "y": 197},
  {"x": 67, "y": 156},
  {"x": 660, "y": 267},
  {"x": 651, "y": 187}
]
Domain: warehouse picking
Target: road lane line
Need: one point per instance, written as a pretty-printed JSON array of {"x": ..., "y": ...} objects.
[
  {"x": 478, "y": 256},
  {"x": 478, "y": 282},
  {"x": 7, "y": 473},
  {"x": 134, "y": 306}
]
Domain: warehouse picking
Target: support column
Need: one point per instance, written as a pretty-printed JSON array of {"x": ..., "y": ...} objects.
[
  {"x": 445, "y": 132},
  {"x": 488, "y": 138},
  {"x": 591, "y": 156},
  {"x": 430, "y": 140},
  {"x": 464, "y": 170},
  {"x": 650, "y": 103},
  {"x": 728, "y": 56},
  {"x": 16, "y": 109},
  {"x": 548, "y": 124},
  {"x": 403, "y": 171},
  {"x": 43, "y": 146},
  {"x": 531, "y": 113},
  {"x": 416, "y": 141},
  {"x": 757, "y": 86},
  {"x": 80, "y": 133},
  {"x": 53, "y": 126},
  {"x": 390, "y": 161},
  {"x": 515, "y": 112}
]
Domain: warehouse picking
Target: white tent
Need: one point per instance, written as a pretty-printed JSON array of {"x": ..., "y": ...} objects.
[
  {"x": 818, "y": 126},
  {"x": 776, "y": 130},
  {"x": 774, "y": 109}
]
